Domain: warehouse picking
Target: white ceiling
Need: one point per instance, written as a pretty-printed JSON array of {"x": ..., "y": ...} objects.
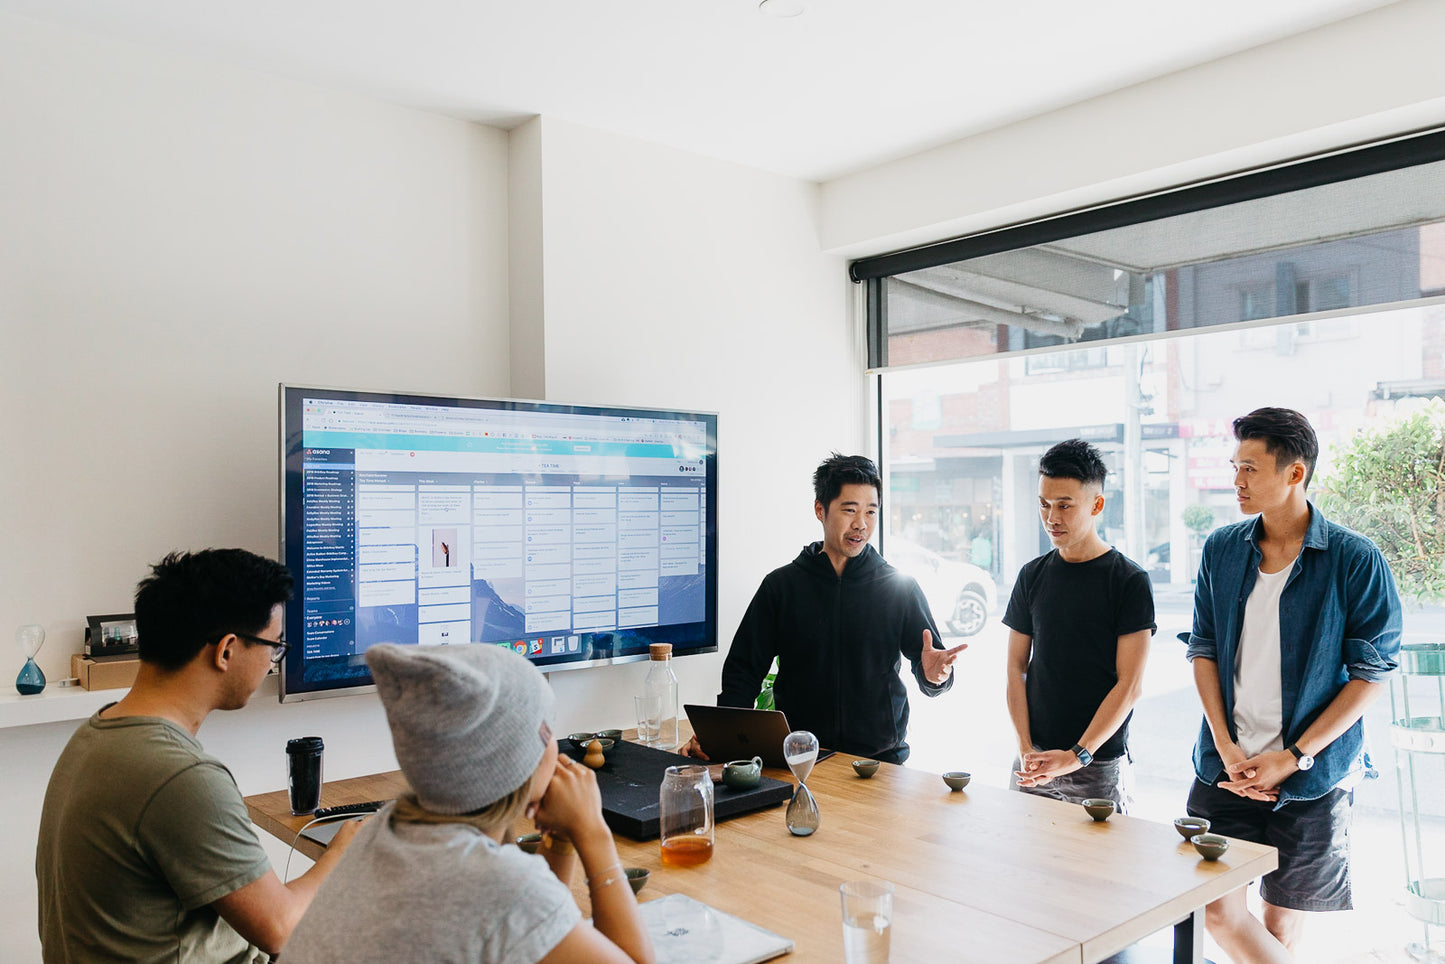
[{"x": 847, "y": 85}]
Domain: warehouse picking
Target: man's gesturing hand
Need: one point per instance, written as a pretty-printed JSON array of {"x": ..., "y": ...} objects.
[{"x": 938, "y": 663}]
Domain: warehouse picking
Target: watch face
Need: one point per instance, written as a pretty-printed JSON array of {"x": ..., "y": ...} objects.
[{"x": 1305, "y": 762}]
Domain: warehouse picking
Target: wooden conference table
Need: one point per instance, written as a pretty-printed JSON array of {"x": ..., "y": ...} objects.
[{"x": 983, "y": 875}]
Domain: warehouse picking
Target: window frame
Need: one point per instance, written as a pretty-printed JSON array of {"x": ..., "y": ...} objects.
[{"x": 1344, "y": 164}]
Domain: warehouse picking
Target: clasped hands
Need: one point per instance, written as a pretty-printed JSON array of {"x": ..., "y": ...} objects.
[
  {"x": 1039, "y": 767},
  {"x": 1256, "y": 777}
]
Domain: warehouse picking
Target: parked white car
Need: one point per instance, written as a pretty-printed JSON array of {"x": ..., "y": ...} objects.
[{"x": 960, "y": 594}]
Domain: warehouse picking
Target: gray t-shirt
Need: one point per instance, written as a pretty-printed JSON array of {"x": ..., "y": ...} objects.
[
  {"x": 433, "y": 892},
  {"x": 141, "y": 831}
]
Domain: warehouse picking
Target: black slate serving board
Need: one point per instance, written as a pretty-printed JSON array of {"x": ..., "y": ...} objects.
[{"x": 632, "y": 776}]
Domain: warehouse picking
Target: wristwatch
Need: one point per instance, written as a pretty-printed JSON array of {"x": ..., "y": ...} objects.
[
  {"x": 1301, "y": 759},
  {"x": 1085, "y": 757}
]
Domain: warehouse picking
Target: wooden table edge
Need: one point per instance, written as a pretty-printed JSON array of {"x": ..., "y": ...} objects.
[{"x": 1258, "y": 861}]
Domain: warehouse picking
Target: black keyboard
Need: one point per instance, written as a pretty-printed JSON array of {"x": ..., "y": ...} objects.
[{"x": 348, "y": 809}]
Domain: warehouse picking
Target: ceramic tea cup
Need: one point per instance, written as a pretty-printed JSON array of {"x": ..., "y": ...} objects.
[
  {"x": 957, "y": 779},
  {"x": 579, "y": 741},
  {"x": 615, "y": 735},
  {"x": 1191, "y": 827},
  {"x": 637, "y": 877},
  {"x": 1211, "y": 846},
  {"x": 865, "y": 768},
  {"x": 743, "y": 774},
  {"x": 530, "y": 842},
  {"x": 1100, "y": 808}
]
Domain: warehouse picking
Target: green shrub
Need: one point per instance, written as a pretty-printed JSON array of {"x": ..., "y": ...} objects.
[{"x": 1389, "y": 484}]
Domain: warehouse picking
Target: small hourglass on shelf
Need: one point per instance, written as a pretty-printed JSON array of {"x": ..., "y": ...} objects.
[
  {"x": 30, "y": 681},
  {"x": 800, "y": 749}
]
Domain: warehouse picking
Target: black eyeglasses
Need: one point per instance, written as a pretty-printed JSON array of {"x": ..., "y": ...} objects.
[{"x": 279, "y": 645}]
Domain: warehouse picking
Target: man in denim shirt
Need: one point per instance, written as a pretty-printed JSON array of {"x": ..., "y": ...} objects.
[{"x": 1296, "y": 626}]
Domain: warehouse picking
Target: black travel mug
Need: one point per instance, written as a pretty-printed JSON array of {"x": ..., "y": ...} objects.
[{"x": 303, "y": 773}]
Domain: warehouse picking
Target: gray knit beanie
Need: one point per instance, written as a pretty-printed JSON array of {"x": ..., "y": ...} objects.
[{"x": 469, "y": 723}]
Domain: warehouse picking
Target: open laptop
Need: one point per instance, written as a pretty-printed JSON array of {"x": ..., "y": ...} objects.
[{"x": 733, "y": 733}]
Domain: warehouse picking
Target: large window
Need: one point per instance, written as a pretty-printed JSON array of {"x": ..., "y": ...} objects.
[
  {"x": 1355, "y": 229},
  {"x": 963, "y": 439},
  {"x": 1145, "y": 328}
]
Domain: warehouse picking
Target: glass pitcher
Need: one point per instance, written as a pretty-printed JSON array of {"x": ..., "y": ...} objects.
[{"x": 687, "y": 822}]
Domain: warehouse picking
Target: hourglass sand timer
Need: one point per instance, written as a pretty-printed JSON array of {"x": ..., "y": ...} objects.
[
  {"x": 30, "y": 638},
  {"x": 800, "y": 749}
]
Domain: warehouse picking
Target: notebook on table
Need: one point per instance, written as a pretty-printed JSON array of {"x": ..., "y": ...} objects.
[{"x": 686, "y": 931}]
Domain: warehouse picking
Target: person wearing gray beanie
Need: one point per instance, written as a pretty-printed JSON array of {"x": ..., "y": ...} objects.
[
  {"x": 472, "y": 727},
  {"x": 469, "y": 723}
]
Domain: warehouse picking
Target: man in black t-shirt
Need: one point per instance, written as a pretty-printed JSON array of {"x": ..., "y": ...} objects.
[{"x": 1080, "y": 619}]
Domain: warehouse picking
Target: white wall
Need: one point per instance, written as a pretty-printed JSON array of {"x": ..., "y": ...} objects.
[
  {"x": 1366, "y": 77},
  {"x": 525, "y": 274},
  {"x": 675, "y": 280},
  {"x": 176, "y": 239},
  {"x": 179, "y": 237}
]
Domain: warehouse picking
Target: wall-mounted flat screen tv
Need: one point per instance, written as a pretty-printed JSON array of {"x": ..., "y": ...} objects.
[{"x": 575, "y": 534}]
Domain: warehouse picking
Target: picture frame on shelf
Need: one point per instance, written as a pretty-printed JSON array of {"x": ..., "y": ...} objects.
[{"x": 111, "y": 636}]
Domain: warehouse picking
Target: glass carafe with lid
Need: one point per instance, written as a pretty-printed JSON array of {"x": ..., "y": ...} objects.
[{"x": 661, "y": 685}]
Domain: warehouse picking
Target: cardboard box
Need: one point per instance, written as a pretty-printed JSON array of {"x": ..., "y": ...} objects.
[{"x": 107, "y": 674}]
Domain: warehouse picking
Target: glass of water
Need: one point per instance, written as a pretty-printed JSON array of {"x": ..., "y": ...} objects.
[
  {"x": 867, "y": 920},
  {"x": 649, "y": 719}
]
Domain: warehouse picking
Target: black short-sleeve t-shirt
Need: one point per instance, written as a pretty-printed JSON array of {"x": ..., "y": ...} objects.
[{"x": 1075, "y": 613}]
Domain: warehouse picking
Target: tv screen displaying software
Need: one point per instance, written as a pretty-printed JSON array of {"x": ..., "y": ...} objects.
[{"x": 575, "y": 534}]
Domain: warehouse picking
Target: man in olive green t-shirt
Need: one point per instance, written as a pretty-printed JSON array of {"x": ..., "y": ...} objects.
[{"x": 146, "y": 852}]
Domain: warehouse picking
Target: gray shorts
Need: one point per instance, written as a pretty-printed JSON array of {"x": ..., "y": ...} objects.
[
  {"x": 1109, "y": 779},
  {"x": 1312, "y": 837}
]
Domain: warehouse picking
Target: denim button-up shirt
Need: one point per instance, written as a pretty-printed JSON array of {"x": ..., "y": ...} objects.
[{"x": 1339, "y": 619}]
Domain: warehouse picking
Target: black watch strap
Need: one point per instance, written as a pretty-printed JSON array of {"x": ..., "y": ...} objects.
[{"x": 1085, "y": 757}]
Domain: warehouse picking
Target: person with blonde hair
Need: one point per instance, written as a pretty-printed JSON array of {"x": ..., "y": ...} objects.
[{"x": 432, "y": 876}]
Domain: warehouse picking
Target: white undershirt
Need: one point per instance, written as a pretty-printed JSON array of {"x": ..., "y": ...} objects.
[{"x": 1258, "y": 685}]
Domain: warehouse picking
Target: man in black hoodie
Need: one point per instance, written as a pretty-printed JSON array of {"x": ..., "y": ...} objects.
[{"x": 838, "y": 618}]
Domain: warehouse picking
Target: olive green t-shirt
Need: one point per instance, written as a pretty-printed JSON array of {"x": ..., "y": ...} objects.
[{"x": 141, "y": 831}]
